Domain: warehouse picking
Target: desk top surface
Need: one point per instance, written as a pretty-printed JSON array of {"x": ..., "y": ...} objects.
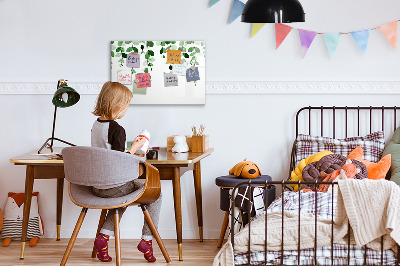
[{"x": 164, "y": 157}]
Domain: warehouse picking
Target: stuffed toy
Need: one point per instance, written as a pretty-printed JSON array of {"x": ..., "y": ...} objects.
[
  {"x": 296, "y": 174},
  {"x": 180, "y": 144},
  {"x": 375, "y": 170},
  {"x": 13, "y": 215},
  {"x": 245, "y": 169}
]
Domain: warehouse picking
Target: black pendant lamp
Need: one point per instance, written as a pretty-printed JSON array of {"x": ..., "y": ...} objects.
[{"x": 273, "y": 11}]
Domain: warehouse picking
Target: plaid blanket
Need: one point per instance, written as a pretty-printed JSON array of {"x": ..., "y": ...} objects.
[
  {"x": 340, "y": 254},
  {"x": 323, "y": 205},
  {"x": 306, "y": 201}
]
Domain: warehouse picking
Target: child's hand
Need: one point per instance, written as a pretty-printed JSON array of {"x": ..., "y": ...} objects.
[
  {"x": 137, "y": 144},
  {"x": 143, "y": 155}
]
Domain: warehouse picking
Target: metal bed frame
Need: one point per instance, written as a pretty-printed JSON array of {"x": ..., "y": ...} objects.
[{"x": 283, "y": 184}]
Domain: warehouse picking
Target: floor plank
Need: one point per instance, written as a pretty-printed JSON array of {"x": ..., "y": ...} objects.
[{"x": 50, "y": 252}]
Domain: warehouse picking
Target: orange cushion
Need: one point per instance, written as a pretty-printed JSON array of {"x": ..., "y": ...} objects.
[{"x": 375, "y": 170}]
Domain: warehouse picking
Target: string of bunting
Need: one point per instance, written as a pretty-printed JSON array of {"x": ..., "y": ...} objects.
[{"x": 361, "y": 37}]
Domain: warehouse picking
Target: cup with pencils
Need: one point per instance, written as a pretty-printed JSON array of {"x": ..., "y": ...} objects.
[{"x": 200, "y": 141}]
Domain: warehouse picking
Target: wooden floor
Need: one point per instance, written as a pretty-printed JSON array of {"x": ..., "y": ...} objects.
[{"x": 50, "y": 252}]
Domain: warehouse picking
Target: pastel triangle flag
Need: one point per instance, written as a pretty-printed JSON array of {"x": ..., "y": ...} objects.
[
  {"x": 332, "y": 41},
  {"x": 213, "y": 2},
  {"x": 361, "y": 37},
  {"x": 256, "y": 28},
  {"x": 281, "y": 31},
  {"x": 237, "y": 9},
  {"x": 389, "y": 30},
  {"x": 306, "y": 39}
]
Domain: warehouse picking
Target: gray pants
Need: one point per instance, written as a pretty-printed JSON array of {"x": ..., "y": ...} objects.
[{"x": 154, "y": 208}]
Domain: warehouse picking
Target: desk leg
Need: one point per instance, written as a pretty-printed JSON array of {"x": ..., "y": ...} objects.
[
  {"x": 199, "y": 204},
  {"x": 176, "y": 182},
  {"x": 60, "y": 190},
  {"x": 27, "y": 206}
]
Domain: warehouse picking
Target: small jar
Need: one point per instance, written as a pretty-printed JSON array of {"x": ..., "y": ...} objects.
[{"x": 144, "y": 134}]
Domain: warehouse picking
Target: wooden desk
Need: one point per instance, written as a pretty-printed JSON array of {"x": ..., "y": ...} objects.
[
  {"x": 171, "y": 167},
  {"x": 40, "y": 167}
]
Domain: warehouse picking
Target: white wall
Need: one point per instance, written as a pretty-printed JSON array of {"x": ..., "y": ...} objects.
[{"x": 43, "y": 41}]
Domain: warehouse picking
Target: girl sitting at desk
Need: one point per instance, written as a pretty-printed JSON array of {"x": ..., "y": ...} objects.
[{"x": 112, "y": 104}]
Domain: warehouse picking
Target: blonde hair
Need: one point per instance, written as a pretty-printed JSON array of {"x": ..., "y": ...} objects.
[{"x": 112, "y": 99}]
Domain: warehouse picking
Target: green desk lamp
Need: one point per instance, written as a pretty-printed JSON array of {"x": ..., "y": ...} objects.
[{"x": 65, "y": 96}]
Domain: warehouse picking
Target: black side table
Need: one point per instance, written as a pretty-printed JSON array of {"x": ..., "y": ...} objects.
[{"x": 226, "y": 183}]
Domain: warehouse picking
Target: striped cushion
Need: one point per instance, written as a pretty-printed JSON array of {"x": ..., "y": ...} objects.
[
  {"x": 13, "y": 228},
  {"x": 372, "y": 145}
]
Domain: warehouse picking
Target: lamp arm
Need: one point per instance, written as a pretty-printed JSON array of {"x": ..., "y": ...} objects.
[
  {"x": 54, "y": 126},
  {"x": 54, "y": 119}
]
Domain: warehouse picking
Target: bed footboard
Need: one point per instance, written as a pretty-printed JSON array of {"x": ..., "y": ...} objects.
[{"x": 312, "y": 259}]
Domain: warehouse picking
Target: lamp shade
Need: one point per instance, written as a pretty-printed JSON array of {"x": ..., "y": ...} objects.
[
  {"x": 65, "y": 96},
  {"x": 273, "y": 11}
]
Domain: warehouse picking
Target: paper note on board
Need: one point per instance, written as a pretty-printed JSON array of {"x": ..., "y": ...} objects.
[
  {"x": 133, "y": 60},
  {"x": 192, "y": 74},
  {"x": 174, "y": 56},
  {"x": 170, "y": 80},
  {"x": 124, "y": 77},
  {"x": 136, "y": 90},
  {"x": 179, "y": 69},
  {"x": 144, "y": 80}
]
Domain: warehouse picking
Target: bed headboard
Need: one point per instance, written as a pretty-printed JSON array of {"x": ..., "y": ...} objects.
[{"x": 344, "y": 121}]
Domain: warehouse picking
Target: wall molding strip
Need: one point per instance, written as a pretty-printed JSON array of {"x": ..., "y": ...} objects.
[{"x": 232, "y": 87}]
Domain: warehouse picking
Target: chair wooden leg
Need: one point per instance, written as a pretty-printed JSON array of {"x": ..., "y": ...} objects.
[
  {"x": 101, "y": 222},
  {"x": 154, "y": 230},
  {"x": 223, "y": 229},
  {"x": 117, "y": 239},
  {"x": 73, "y": 237}
]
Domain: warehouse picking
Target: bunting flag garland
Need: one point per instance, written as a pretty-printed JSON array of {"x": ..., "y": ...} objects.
[
  {"x": 389, "y": 30},
  {"x": 213, "y": 2},
  {"x": 281, "y": 31},
  {"x": 306, "y": 39},
  {"x": 237, "y": 9},
  {"x": 256, "y": 28},
  {"x": 361, "y": 37},
  {"x": 332, "y": 41}
]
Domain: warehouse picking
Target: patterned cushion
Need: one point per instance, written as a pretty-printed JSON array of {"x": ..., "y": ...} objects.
[{"x": 372, "y": 144}]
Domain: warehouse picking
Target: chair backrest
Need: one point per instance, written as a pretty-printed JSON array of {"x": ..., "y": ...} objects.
[{"x": 92, "y": 166}]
